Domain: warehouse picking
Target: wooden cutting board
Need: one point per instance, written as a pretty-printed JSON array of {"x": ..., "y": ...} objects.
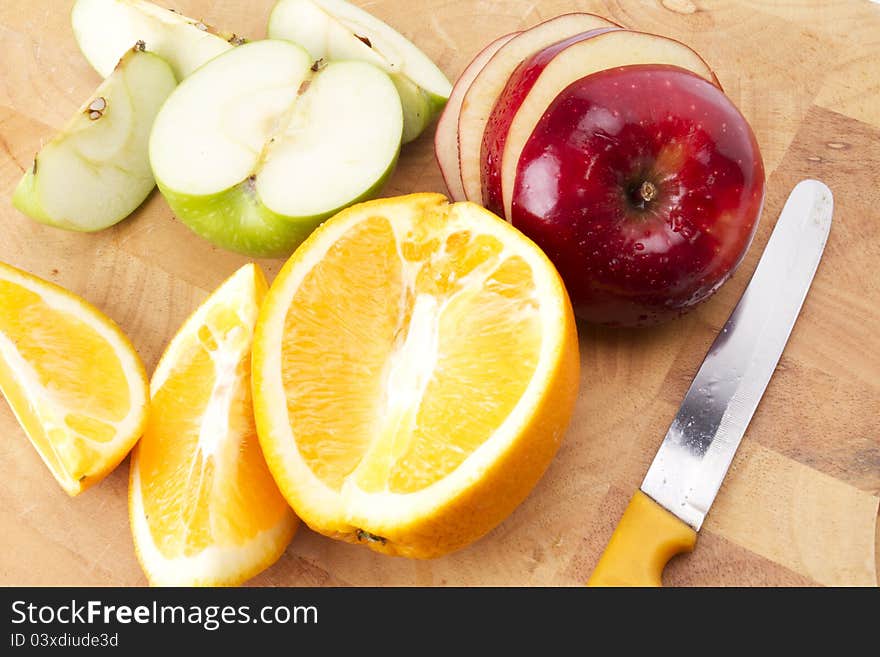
[{"x": 799, "y": 506}]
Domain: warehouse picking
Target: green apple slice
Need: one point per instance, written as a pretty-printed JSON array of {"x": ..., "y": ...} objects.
[
  {"x": 105, "y": 29},
  {"x": 96, "y": 171},
  {"x": 337, "y": 30},
  {"x": 261, "y": 144}
]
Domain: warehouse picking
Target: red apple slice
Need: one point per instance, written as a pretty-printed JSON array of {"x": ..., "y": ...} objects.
[
  {"x": 484, "y": 90},
  {"x": 598, "y": 53},
  {"x": 446, "y": 134},
  {"x": 517, "y": 88}
]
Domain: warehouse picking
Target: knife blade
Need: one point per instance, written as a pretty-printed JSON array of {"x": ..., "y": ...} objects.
[{"x": 699, "y": 447}]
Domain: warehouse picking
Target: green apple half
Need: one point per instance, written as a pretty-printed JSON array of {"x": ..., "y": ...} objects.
[
  {"x": 96, "y": 171},
  {"x": 261, "y": 144},
  {"x": 336, "y": 30},
  {"x": 105, "y": 29}
]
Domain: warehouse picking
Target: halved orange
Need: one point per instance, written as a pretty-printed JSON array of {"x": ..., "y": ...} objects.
[
  {"x": 415, "y": 366},
  {"x": 204, "y": 509},
  {"x": 73, "y": 380}
]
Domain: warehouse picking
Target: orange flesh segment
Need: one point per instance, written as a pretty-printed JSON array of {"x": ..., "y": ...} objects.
[
  {"x": 474, "y": 396},
  {"x": 336, "y": 341},
  {"x": 404, "y": 353},
  {"x": 74, "y": 367},
  {"x": 203, "y": 477}
]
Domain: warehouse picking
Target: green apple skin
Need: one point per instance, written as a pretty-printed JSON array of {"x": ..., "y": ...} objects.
[
  {"x": 235, "y": 219},
  {"x": 26, "y": 200},
  {"x": 94, "y": 173},
  {"x": 420, "y": 107}
]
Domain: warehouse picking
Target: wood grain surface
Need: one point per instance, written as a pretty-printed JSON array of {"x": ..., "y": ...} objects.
[{"x": 799, "y": 506}]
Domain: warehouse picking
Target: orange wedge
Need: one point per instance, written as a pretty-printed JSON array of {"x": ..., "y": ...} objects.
[
  {"x": 415, "y": 367},
  {"x": 71, "y": 377},
  {"x": 203, "y": 507}
]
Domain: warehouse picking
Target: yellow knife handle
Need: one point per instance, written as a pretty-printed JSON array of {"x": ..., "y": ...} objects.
[{"x": 646, "y": 538}]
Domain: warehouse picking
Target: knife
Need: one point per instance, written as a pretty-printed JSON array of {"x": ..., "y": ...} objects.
[{"x": 665, "y": 514}]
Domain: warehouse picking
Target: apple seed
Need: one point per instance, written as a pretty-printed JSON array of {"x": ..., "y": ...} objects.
[
  {"x": 96, "y": 108},
  {"x": 365, "y": 40}
]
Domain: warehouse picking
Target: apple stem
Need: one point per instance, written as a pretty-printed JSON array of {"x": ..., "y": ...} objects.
[{"x": 647, "y": 191}]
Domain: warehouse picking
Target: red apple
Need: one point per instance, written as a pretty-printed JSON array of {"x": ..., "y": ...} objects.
[
  {"x": 643, "y": 184},
  {"x": 484, "y": 90},
  {"x": 517, "y": 88},
  {"x": 541, "y": 78},
  {"x": 446, "y": 135}
]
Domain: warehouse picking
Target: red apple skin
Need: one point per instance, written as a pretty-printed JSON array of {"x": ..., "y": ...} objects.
[
  {"x": 446, "y": 133},
  {"x": 608, "y": 142},
  {"x": 515, "y": 91}
]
